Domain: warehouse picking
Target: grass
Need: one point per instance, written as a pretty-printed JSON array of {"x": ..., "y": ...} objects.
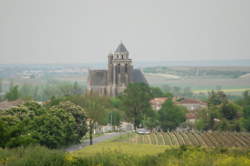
[
  {"x": 121, "y": 147},
  {"x": 124, "y": 154}
]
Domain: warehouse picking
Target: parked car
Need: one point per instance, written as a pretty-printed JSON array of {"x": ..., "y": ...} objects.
[{"x": 142, "y": 131}]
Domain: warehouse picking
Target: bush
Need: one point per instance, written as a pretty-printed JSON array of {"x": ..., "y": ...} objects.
[{"x": 32, "y": 156}]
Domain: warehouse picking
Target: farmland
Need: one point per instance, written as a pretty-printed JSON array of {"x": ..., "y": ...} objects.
[{"x": 205, "y": 139}]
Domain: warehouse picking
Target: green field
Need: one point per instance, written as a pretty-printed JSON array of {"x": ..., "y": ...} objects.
[{"x": 224, "y": 90}]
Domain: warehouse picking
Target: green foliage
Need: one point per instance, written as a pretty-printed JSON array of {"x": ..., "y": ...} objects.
[
  {"x": 95, "y": 107},
  {"x": 32, "y": 123},
  {"x": 13, "y": 94},
  {"x": 135, "y": 100},
  {"x": 216, "y": 98},
  {"x": 183, "y": 156},
  {"x": 171, "y": 116},
  {"x": 32, "y": 156},
  {"x": 222, "y": 114},
  {"x": 151, "y": 121},
  {"x": 245, "y": 102}
]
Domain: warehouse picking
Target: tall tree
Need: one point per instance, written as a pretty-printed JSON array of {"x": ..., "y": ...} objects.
[
  {"x": 13, "y": 93},
  {"x": 171, "y": 116},
  {"x": 216, "y": 98},
  {"x": 136, "y": 102},
  {"x": 95, "y": 107}
]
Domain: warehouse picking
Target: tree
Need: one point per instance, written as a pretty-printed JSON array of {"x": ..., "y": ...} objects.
[
  {"x": 151, "y": 121},
  {"x": 230, "y": 111},
  {"x": 53, "y": 127},
  {"x": 171, "y": 116},
  {"x": 216, "y": 98},
  {"x": 79, "y": 115},
  {"x": 13, "y": 94},
  {"x": 135, "y": 100},
  {"x": 157, "y": 92},
  {"x": 207, "y": 119},
  {"x": 114, "y": 118},
  {"x": 95, "y": 107},
  {"x": 245, "y": 103}
]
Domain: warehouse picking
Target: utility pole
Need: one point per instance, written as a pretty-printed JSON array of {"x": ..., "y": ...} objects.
[{"x": 111, "y": 122}]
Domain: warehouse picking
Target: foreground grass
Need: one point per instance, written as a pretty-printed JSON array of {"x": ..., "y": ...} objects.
[
  {"x": 122, "y": 154},
  {"x": 120, "y": 147}
]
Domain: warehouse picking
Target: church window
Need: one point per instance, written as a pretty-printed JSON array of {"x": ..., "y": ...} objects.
[
  {"x": 126, "y": 68},
  {"x": 118, "y": 68}
]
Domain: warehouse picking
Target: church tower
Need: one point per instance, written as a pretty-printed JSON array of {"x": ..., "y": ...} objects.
[{"x": 119, "y": 70}]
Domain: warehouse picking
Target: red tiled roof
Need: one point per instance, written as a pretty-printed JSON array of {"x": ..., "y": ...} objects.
[
  {"x": 158, "y": 100},
  {"x": 191, "y": 101}
]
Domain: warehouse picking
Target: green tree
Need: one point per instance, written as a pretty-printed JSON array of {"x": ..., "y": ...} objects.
[
  {"x": 151, "y": 121},
  {"x": 79, "y": 115},
  {"x": 13, "y": 94},
  {"x": 50, "y": 126},
  {"x": 157, "y": 92},
  {"x": 136, "y": 104},
  {"x": 216, "y": 98},
  {"x": 96, "y": 109},
  {"x": 171, "y": 116}
]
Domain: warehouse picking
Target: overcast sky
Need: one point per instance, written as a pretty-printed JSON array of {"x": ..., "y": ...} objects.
[{"x": 80, "y": 31}]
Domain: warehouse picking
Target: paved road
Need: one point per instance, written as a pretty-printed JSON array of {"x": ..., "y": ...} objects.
[{"x": 102, "y": 138}]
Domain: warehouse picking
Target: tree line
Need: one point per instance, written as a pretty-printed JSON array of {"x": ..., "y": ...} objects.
[{"x": 64, "y": 120}]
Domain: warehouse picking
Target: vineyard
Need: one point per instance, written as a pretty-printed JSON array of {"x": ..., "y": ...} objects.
[{"x": 206, "y": 139}]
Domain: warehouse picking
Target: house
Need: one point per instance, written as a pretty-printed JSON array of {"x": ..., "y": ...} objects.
[
  {"x": 192, "y": 106},
  {"x": 156, "y": 103}
]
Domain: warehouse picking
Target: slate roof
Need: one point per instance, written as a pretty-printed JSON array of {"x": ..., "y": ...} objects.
[
  {"x": 121, "y": 49},
  {"x": 98, "y": 77},
  {"x": 138, "y": 77}
]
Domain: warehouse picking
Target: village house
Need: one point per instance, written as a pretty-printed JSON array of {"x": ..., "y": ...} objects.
[{"x": 192, "y": 106}]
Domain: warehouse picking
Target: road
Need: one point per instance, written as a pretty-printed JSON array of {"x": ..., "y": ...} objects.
[{"x": 85, "y": 143}]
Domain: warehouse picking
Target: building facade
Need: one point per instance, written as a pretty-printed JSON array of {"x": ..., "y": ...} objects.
[{"x": 116, "y": 78}]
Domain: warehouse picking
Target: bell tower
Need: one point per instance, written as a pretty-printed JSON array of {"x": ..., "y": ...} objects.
[{"x": 119, "y": 70}]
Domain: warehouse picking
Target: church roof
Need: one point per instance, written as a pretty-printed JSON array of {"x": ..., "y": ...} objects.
[
  {"x": 121, "y": 49},
  {"x": 138, "y": 76}
]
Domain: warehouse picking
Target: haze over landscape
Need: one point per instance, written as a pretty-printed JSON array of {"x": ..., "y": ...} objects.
[
  {"x": 83, "y": 31},
  {"x": 124, "y": 82}
]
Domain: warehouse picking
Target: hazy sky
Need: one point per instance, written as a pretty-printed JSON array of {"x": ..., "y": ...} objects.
[{"x": 80, "y": 31}]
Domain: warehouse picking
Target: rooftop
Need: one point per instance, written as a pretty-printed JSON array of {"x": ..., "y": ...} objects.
[{"x": 121, "y": 49}]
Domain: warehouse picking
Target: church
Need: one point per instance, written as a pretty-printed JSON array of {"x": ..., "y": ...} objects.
[{"x": 116, "y": 78}]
